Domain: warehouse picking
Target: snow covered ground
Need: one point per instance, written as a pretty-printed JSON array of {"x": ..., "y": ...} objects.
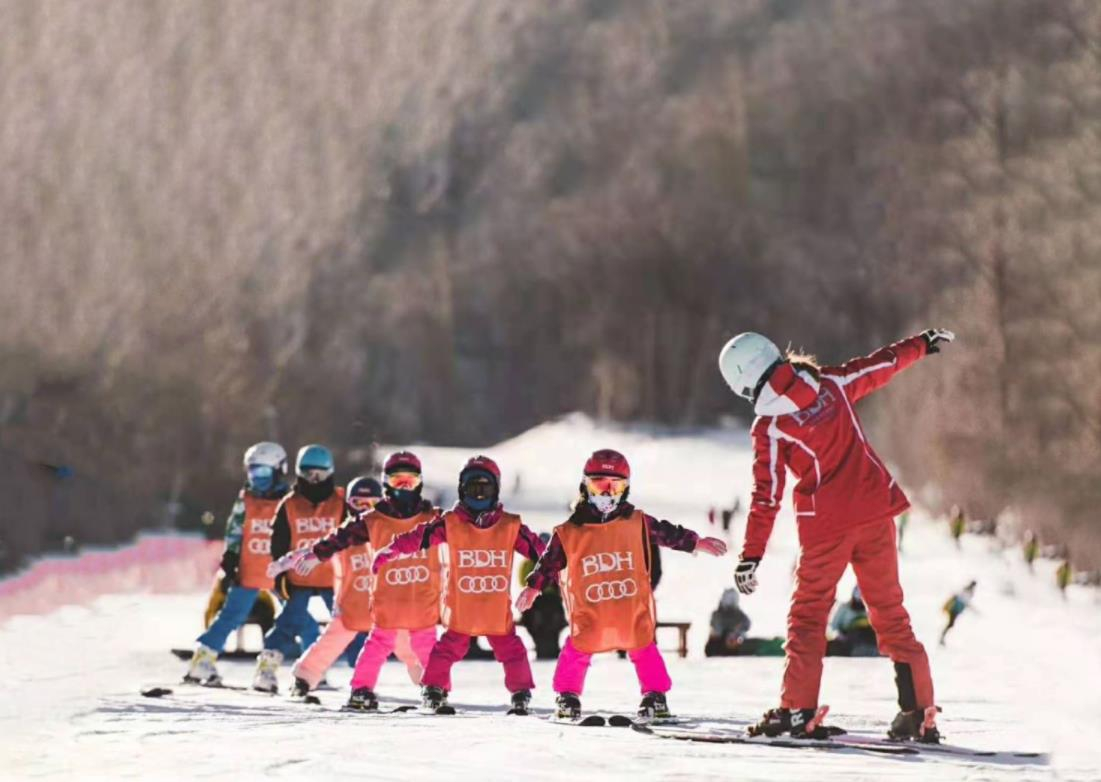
[{"x": 1022, "y": 671}]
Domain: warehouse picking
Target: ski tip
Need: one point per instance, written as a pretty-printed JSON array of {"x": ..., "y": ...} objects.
[
  {"x": 642, "y": 728},
  {"x": 156, "y": 692}
]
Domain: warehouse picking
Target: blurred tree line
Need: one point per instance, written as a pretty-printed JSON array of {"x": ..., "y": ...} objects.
[{"x": 227, "y": 220}]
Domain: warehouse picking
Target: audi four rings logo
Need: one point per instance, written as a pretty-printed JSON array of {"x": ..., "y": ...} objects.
[
  {"x": 611, "y": 590},
  {"x": 407, "y": 575},
  {"x": 481, "y": 585}
]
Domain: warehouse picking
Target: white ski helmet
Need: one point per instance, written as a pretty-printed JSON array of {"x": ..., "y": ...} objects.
[
  {"x": 745, "y": 359},
  {"x": 267, "y": 454}
]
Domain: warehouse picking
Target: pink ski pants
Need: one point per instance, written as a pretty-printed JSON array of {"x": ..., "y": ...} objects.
[
  {"x": 452, "y": 647},
  {"x": 573, "y": 664},
  {"x": 411, "y": 646}
]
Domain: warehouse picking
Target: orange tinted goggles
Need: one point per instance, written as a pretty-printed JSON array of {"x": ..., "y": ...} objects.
[
  {"x": 403, "y": 480},
  {"x": 605, "y": 484}
]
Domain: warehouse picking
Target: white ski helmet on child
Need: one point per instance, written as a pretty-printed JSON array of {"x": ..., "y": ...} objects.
[
  {"x": 744, "y": 360},
  {"x": 267, "y": 454}
]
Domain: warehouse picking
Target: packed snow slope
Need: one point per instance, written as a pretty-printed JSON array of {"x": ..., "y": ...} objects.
[{"x": 1020, "y": 671}]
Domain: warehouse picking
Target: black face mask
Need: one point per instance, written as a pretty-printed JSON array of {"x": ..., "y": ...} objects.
[
  {"x": 316, "y": 493},
  {"x": 478, "y": 492},
  {"x": 405, "y": 501}
]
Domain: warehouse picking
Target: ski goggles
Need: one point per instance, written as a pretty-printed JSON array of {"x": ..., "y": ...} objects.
[
  {"x": 260, "y": 473},
  {"x": 361, "y": 504},
  {"x": 403, "y": 480},
  {"x": 609, "y": 485},
  {"x": 315, "y": 474}
]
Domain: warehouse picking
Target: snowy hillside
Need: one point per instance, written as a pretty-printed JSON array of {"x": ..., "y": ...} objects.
[{"x": 1019, "y": 672}]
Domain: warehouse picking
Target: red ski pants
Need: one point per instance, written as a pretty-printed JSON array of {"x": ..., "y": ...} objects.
[{"x": 872, "y": 551}]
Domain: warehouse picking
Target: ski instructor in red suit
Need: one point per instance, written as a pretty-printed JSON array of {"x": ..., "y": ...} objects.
[{"x": 845, "y": 504}]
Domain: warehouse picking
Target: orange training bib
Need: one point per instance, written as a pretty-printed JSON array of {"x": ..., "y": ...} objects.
[
  {"x": 406, "y": 591},
  {"x": 352, "y": 587},
  {"x": 478, "y": 600},
  {"x": 310, "y": 523},
  {"x": 256, "y": 542},
  {"x": 606, "y": 584}
]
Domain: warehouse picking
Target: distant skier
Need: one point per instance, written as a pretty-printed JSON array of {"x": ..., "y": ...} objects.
[
  {"x": 352, "y": 613},
  {"x": 246, "y": 556},
  {"x": 1031, "y": 549},
  {"x": 481, "y": 537},
  {"x": 903, "y": 523},
  {"x": 1063, "y": 576},
  {"x": 600, "y": 556},
  {"x": 403, "y": 597},
  {"x": 957, "y": 524},
  {"x": 956, "y": 605},
  {"x": 845, "y": 504},
  {"x": 313, "y": 509}
]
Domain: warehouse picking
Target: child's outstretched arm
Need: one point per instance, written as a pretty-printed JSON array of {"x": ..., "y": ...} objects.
[
  {"x": 669, "y": 535},
  {"x": 546, "y": 571},
  {"x": 352, "y": 532},
  {"x": 528, "y": 544},
  {"x": 424, "y": 535}
]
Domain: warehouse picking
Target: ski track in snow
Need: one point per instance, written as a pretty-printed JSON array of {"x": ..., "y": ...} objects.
[{"x": 1020, "y": 672}]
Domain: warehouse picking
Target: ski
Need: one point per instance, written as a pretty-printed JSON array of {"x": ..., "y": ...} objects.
[
  {"x": 717, "y": 737},
  {"x": 948, "y": 749},
  {"x": 378, "y": 712},
  {"x": 624, "y": 721},
  {"x": 236, "y": 654},
  {"x": 588, "y": 721},
  {"x": 446, "y": 710}
]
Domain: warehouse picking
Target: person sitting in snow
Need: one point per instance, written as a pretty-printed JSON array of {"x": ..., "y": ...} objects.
[
  {"x": 729, "y": 626},
  {"x": 855, "y": 636}
]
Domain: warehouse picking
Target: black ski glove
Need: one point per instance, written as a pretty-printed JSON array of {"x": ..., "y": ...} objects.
[
  {"x": 230, "y": 561},
  {"x": 933, "y": 337}
]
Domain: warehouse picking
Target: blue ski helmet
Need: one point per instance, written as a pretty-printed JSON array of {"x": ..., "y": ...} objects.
[{"x": 314, "y": 464}]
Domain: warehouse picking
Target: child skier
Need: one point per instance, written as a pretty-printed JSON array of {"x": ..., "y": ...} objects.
[
  {"x": 845, "y": 504},
  {"x": 602, "y": 555},
  {"x": 313, "y": 509},
  {"x": 482, "y": 538},
  {"x": 352, "y": 617},
  {"x": 956, "y": 605},
  {"x": 403, "y": 597},
  {"x": 247, "y": 554}
]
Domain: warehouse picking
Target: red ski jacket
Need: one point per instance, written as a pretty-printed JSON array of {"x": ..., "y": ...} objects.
[{"x": 808, "y": 425}]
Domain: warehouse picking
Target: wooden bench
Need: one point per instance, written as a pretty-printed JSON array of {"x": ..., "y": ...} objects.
[{"x": 682, "y": 628}]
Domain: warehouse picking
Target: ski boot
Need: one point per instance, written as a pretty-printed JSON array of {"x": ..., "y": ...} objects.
[
  {"x": 568, "y": 706},
  {"x": 653, "y": 707},
  {"x": 520, "y": 701},
  {"x": 917, "y": 725},
  {"x": 433, "y": 698},
  {"x": 301, "y": 688},
  {"x": 202, "y": 668},
  {"x": 363, "y": 699},
  {"x": 267, "y": 666},
  {"x": 799, "y": 723}
]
